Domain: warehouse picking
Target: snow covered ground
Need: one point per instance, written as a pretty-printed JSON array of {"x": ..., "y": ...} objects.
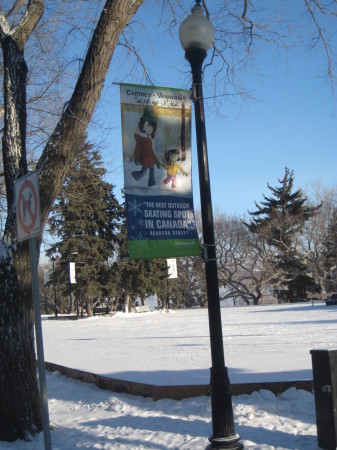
[{"x": 270, "y": 343}]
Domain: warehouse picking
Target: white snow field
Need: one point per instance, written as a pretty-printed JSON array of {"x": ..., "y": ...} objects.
[{"x": 263, "y": 343}]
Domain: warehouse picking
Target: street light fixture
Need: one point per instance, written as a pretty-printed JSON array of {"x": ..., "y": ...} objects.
[{"x": 196, "y": 36}]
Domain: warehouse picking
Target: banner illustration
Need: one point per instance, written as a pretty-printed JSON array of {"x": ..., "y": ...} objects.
[{"x": 156, "y": 136}]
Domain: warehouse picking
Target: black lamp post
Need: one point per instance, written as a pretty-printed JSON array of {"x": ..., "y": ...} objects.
[
  {"x": 55, "y": 299},
  {"x": 196, "y": 36}
]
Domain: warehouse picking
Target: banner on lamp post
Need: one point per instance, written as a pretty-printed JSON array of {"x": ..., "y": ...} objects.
[{"x": 156, "y": 136}]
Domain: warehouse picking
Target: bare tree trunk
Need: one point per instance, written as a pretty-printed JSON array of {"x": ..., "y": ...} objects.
[
  {"x": 90, "y": 306},
  {"x": 14, "y": 137},
  {"x": 61, "y": 148},
  {"x": 127, "y": 302},
  {"x": 20, "y": 411}
]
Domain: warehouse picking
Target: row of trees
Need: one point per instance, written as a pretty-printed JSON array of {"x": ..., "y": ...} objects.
[
  {"x": 89, "y": 228},
  {"x": 288, "y": 247}
]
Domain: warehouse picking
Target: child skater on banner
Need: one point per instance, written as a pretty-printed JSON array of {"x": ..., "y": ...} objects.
[
  {"x": 172, "y": 167},
  {"x": 144, "y": 154}
]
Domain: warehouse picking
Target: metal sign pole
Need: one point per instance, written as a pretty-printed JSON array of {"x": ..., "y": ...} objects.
[
  {"x": 28, "y": 224},
  {"x": 39, "y": 344}
]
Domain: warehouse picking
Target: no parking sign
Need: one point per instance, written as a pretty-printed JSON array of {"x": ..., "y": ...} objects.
[{"x": 28, "y": 222}]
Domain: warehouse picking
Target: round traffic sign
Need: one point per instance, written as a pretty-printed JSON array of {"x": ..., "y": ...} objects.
[{"x": 27, "y": 206}]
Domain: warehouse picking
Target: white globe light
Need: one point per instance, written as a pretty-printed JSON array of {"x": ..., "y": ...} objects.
[{"x": 196, "y": 31}]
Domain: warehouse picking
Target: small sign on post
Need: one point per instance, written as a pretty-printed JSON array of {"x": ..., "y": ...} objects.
[
  {"x": 72, "y": 273},
  {"x": 28, "y": 226},
  {"x": 172, "y": 268}
]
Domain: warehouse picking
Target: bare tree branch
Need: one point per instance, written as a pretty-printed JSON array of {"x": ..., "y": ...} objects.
[
  {"x": 24, "y": 28},
  {"x": 4, "y": 25},
  {"x": 322, "y": 37}
]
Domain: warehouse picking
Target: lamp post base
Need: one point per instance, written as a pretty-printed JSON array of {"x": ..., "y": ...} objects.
[
  {"x": 224, "y": 436},
  {"x": 225, "y": 443}
]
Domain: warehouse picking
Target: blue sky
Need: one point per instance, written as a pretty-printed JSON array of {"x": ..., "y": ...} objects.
[{"x": 291, "y": 122}]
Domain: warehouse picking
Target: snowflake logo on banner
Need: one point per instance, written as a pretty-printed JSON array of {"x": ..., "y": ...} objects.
[
  {"x": 139, "y": 237},
  {"x": 141, "y": 222},
  {"x": 135, "y": 207}
]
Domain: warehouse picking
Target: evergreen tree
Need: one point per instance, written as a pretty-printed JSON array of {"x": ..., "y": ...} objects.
[
  {"x": 85, "y": 220},
  {"x": 278, "y": 221}
]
